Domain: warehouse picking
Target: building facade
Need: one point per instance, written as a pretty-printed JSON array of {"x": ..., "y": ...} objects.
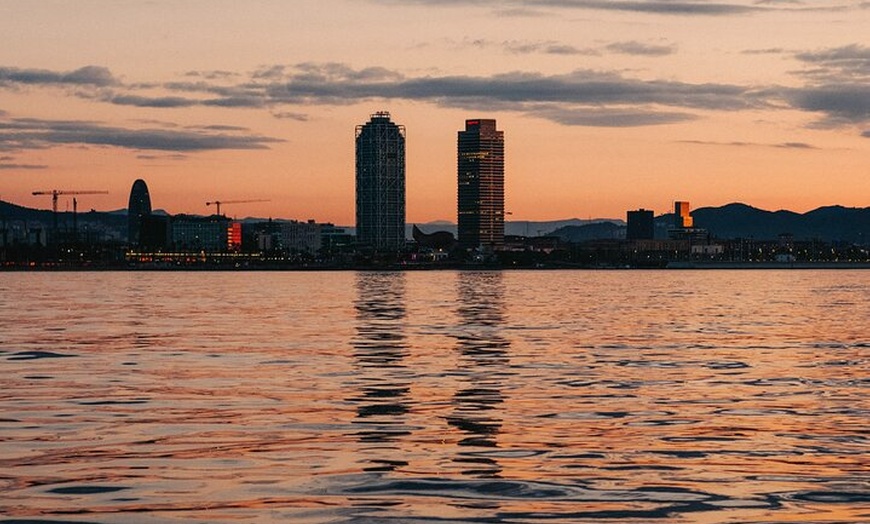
[
  {"x": 640, "y": 225},
  {"x": 288, "y": 237},
  {"x": 208, "y": 234},
  {"x": 380, "y": 184},
  {"x": 480, "y": 185}
]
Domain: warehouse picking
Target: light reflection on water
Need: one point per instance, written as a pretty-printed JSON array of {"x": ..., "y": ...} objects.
[{"x": 575, "y": 396}]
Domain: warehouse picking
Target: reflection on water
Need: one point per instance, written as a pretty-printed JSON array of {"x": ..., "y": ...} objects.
[
  {"x": 484, "y": 357},
  {"x": 470, "y": 397},
  {"x": 383, "y": 383}
]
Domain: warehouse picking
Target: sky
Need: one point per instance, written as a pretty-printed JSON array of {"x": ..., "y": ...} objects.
[{"x": 606, "y": 105}]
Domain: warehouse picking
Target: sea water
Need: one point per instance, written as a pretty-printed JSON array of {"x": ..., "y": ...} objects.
[{"x": 435, "y": 396}]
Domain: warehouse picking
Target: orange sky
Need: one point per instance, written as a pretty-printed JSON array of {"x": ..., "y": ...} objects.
[{"x": 606, "y": 105}]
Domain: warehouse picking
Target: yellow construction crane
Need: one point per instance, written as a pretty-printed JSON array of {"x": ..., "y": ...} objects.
[{"x": 219, "y": 203}]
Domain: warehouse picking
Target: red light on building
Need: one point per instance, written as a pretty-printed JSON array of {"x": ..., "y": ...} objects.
[
  {"x": 234, "y": 236},
  {"x": 472, "y": 122}
]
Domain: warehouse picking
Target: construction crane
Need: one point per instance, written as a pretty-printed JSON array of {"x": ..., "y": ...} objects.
[
  {"x": 219, "y": 203},
  {"x": 56, "y": 193}
]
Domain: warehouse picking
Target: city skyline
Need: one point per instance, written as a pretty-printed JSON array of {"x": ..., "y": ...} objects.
[{"x": 610, "y": 106}]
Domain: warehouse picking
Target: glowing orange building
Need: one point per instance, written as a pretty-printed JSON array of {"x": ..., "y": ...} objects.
[{"x": 682, "y": 215}]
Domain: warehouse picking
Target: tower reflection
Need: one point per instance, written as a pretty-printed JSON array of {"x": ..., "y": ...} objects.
[
  {"x": 382, "y": 382},
  {"x": 483, "y": 363}
]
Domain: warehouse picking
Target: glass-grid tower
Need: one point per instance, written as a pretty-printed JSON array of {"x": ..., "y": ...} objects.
[
  {"x": 380, "y": 183},
  {"x": 480, "y": 185}
]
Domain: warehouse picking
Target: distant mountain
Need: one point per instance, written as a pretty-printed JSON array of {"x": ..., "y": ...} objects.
[
  {"x": 10, "y": 211},
  {"x": 529, "y": 228},
  {"x": 113, "y": 225},
  {"x": 525, "y": 228},
  {"x": 594, "y": 231},
  {"x": 829, "y": 224}
]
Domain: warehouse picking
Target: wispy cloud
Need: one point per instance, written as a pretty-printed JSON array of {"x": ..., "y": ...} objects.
[
  {"x": 29, "y": 133},
  {"x": 291, "y": 115},
  {"x": 656, "y": 7},
  {"x": 783, "y": 145},
  {"x": 611, "y": 117},
  {"x": 161, "y": 157},
  {"x": 86, "y": 76},
  {"x": 21, "y": 167},
  {"x": 849, "y": 63},
  {"x": 544, "y": 47},
  {"x": 664, "y": 7},
  {"x": 552, "y": 47},
  {"x": 641, "y": 49}
]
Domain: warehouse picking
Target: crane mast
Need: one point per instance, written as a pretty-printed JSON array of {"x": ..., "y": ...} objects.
[
  {"x": 57, "y": 192},
  {"x": 219, "y": 203}
]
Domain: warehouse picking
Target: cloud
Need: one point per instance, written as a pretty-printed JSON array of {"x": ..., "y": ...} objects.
[
  {"x": 609, "y": 99},
  {"x": 784, "y": 145},
  {"x": 849, "y": 63},
  {"x": 658, "y": 7},
  {"x": 171, "y": 156},
  {"x": 842, "y": 104},
  {"x": 580, "y": 97},
  {"x": 93, "y": 76},
  {"x": 30, "y": 133},
  {"x": 866, "y": 134},
  {"x": 641, "y": 49},
  {"x": 552, "y": 47},
  {"x": 144, "y": 101},
  {"x": 299, "y": 117},
  {"x": 838, "y": 85},
  {"x": 611, "y": 117},
  {"x": 795, "y": 145},
  {"x": 17, "y": 167},
  {"x": 664, "y": 7},
  {"x": 545, "y": 47},
  {"x": 578, "y": 87},
  {"x": 767, "y": 51}
]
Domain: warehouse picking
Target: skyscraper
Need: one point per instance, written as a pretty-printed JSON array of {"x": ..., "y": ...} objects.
[
  {"x": 380, "y": 183},
  {"x": 480, "y": 185},
  {"x": 138, "y": 207}
]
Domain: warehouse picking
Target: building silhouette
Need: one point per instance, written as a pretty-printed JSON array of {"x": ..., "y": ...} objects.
[
  {"x": 641, "y": 225},
  {"x": 138, "y": 208},
  {"x": 380, "y": 184},
  {"x": 480, "y": 185}
]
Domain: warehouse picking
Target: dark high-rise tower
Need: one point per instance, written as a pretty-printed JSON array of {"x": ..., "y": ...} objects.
[
  {"x": 380, "y": 183},
  {"x": 138, "y": 207},
  {"x": 480, "y": 191},
  {"x": 641, "y": 225}
]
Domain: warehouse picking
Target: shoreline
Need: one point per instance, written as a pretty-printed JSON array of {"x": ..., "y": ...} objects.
[{"x": 671, "y": 266}]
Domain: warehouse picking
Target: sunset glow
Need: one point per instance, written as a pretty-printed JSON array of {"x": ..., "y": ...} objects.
[{"x": 605, "y": 105}]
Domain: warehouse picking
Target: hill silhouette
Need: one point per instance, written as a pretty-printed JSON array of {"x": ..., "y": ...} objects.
[{"x": 827, "y": 224}]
